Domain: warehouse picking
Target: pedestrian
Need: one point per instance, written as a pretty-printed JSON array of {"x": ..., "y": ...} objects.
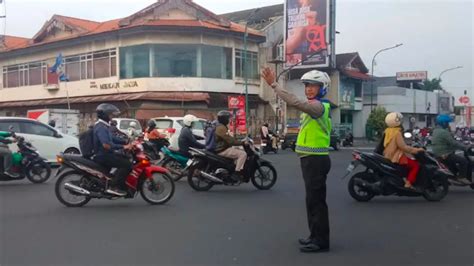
[{"x": 312, "y": 146}]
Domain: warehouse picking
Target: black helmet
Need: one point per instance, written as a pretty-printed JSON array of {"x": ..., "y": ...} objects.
[
  {"x": 151, "y": 123},
  {"x": 52, "y": 123},
  {"x": 224, "y": 117},
  {"x": 106, "y": 110}
]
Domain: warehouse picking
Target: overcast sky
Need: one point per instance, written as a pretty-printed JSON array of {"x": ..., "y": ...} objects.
[{"x": 436, "y": 34}]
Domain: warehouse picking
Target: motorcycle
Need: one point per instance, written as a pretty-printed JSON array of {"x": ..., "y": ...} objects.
[
  {"x": 267, "y": 144},
  {"x": 382, "y": 177},
  {"x": 153, "y": 148},
  {"x": 348, "y": 140},
  {"x": 176, "y": 163},
  {"x": 80, "y": 180},
  {"x": 27, "y": 162},
  {"x": 208, "y": 169},
  {"x": 469, "y": 155}
]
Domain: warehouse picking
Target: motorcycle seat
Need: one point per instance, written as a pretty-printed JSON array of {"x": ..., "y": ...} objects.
[
  {"x": 86, "y": 162},
  {"x": 218, "y": 157},
  {"x": 377, "y": 157}
]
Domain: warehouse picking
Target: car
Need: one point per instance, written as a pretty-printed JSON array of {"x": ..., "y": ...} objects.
[
  {"x": 123, "y": 124},
  {"x": 46, "y": 139},
  {"x": 171, "y": 127}
]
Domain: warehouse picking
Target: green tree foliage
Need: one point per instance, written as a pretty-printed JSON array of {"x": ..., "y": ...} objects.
[{"x": 376, "y": 121}]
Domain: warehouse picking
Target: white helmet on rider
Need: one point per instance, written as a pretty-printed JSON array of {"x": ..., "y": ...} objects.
[
  {"x": 318, "y": 77},
  {"x": 133, "y": 124},
  {"x": 189, "y": 119},
  {"x": 394, "y": 119}
]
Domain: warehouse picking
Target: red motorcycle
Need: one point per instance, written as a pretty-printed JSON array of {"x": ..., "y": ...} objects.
[{"x": 80, "y": 180}]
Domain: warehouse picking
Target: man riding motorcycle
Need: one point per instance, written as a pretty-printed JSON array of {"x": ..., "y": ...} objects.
[
  {"x": 105, "y": 143},
  {"x": 445, "y": 146},
  {"x": 6, "y": 154},
  {"x": 186, "y": 138},
  {"x": 225, "y": 143}
]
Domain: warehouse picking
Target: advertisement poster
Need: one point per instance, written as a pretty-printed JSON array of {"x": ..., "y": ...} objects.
[
  {"x": 347, "y": 99},
  {"x": 307, "y": 32},
  {"x": 236, "y": 106}
]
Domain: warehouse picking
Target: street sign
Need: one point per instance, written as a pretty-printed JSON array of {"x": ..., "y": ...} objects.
[{"x": 464, "y": 99}]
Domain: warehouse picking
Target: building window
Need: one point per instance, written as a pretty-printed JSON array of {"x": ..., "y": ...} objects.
[
  {"x": 251, "y": 66},
  {"x": 100, "y": 64},
  {"x": 24, "y": 75},
  {"x": 176, "y": 60}
]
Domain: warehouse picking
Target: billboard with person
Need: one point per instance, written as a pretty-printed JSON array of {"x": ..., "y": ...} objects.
[{"x": 307, "y": 34}]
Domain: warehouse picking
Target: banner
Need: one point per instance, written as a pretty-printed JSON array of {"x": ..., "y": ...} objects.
[
  {"x": 236, "y": 106},
  {"x": 307, "y": 33}
]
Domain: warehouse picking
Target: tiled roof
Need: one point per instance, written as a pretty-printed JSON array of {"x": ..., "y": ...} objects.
[
  {"x": 87, "y": 28},
  {"x": 262, "y": 18}
]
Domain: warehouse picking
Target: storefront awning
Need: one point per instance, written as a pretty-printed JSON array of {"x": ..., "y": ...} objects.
[{"x": 152, "y": 96}]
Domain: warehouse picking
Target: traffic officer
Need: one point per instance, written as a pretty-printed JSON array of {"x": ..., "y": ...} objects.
[{"x": 312, "y": 146}]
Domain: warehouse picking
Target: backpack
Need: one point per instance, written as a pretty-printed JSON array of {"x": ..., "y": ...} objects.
[
  {"x": 380, "y": 147},
  {"x": 86, "y": 143},
  {"x": 210, "y": 134}
]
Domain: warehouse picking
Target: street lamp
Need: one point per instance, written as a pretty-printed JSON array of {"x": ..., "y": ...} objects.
[
  {"x": 246, "y": 67},
  {"x": 440, "y": 89},
  {"x": 372, "y": 83}
]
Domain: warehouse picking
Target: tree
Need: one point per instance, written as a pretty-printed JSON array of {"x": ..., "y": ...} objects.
[
  {"x": 431, "y": 85},
  {"x": 376, "y": 122}
]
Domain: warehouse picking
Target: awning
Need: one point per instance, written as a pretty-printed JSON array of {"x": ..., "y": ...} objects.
[
  {"x": 153, "y": 96},
  {"x": 356, "y": 74}
]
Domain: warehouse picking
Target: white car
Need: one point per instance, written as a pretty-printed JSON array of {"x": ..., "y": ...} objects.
[
  {"x": 46, "y": 139},
  {"x": 171, "y": 127},
  {"x": 123, "y": 124}
]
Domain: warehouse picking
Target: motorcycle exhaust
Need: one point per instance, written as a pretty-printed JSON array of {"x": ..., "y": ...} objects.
[
  {"x": 211, "y": 177},
  {"x": 77, "y": 189}
]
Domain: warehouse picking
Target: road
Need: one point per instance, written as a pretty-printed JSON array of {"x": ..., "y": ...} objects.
[{"x": 234, "y": 226}]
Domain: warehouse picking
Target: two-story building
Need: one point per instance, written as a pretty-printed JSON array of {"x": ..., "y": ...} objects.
[{"x": 171, "y": 58}]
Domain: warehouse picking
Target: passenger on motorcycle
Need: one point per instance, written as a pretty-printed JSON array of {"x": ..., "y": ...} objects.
[
  {"x": 151, "y": 133},
  {"x": 225, "y": 143},
  {"x": 396, "y": 150},
  {"x": 105, "y": 143},
  {"x": 186, "y": 138},
  {"x": 6, "y": 154},
  {"x": 445, "y": 146}
]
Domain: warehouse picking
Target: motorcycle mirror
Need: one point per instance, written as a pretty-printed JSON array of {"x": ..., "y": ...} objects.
[{"x": 407, "y": 135}]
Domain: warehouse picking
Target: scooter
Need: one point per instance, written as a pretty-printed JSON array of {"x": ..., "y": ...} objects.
[
  {"x": 267, "y": 145},
  {"x": 27, "y": 162},
  {"x": 208, "y": 169},
  {"x": 382, "y": 177},
  {"x": 176, "y": 163},
  {"x": 469, "y": 155}
]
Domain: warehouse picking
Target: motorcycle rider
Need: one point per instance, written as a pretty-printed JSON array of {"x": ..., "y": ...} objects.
[
  {"x": 225, "y": 143},
  {"x": 6, "y": 154},
  {"x": 105, "y": 143},
  {"x": 151, "y": 133},
  {"x": 313, "y": 148},
  {"x": 132, "y": 130},
  {"x": 396, "y": 150},
  {"x": 115, "y": 131},
  {"x": 186, "y": 138},
  {"x": 445, "y": 146}
]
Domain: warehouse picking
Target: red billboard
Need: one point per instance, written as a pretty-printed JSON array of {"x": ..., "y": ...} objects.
[
  {"x": 237, "y": 107},
  {"x": 307, "y": 34}
]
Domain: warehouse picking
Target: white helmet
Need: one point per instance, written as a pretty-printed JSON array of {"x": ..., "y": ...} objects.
[
  {"x": 318, "y": 77},
  {"x": 394, "y": 119},
  {"x": 133, "y": 124},
  {"x": 189, "y": 119}
]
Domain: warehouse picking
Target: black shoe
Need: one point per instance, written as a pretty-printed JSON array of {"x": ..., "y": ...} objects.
[
  {"x": 314, "y": 248},
  {"x": 305, "y": 241}
]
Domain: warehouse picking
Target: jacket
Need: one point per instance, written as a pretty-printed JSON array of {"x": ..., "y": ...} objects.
[
  {"x": 103, "y": 135},
  {"x": 187, "y": 140},
  {"x": 444, "y": 143},
  {"x": 224, "y": 140},
  {"x": 396, "y": 148}
]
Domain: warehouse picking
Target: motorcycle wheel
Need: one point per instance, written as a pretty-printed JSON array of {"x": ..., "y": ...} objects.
[
  {"x": 65, "y": 196},
  {"x": 157, "y": 190},
  {"x": 197, "y": 182},
  {"x": 264, "y": 177},
  {"x": 437, "y": 192},
  {"x": 174, "y": 168},
  {"x": 358, "y": 193},
  {"x": 38, "y": 172}
]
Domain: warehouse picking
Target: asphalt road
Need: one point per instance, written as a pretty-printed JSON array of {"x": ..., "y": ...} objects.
[{"x": 234, "y": 226}]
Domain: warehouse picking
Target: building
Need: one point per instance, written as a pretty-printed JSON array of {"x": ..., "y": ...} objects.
[
  {"x": 419, "y": 107},
  {"x": 171, "y": 58},
  {"x": 348, "y": 76}
]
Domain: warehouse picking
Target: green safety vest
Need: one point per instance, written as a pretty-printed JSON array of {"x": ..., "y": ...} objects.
[{"x": 315, "y": 134}]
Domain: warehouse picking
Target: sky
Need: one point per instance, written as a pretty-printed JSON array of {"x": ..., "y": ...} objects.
[{"x": 436, "y": 34}]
